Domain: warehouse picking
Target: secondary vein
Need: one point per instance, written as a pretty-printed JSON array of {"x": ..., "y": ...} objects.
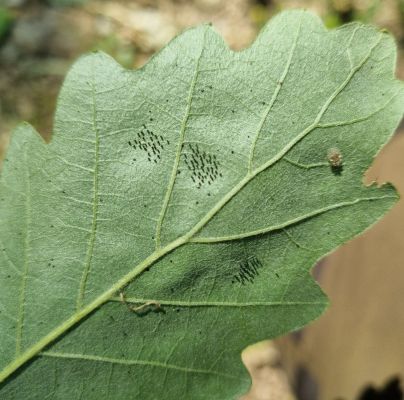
[
  {"x": 288, "y": 223},
  {"x": 274, "y": 96},
  {"x": 181, "y": 303},
  {"x": 180, "y": 144},
  {"x": 89, "y": 357},
  {"x": 92, "y": 236},
  {"x": 23, "y": 287}
]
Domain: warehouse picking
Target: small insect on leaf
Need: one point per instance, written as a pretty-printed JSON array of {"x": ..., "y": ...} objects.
[
  {"x": 143, "y": 309},
  {"x": 334, "y": 157}
]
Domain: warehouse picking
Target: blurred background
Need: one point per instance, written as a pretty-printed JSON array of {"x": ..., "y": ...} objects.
[{"x": 356, "y": 350}]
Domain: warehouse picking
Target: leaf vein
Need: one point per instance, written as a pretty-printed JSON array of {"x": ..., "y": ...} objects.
[
  {"x": 287, "y": 224},
  {"x": 87, "y": 357},
  {"x": 23, "y": 287},
  {"x": 93, "y": 233},
  {"x": 181, "y": 303},
  {"x": 274, "y": 96},
  {"x": 180, "y": 144}
]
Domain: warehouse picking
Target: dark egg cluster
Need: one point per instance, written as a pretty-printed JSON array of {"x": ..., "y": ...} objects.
[
  {"x": 247, "y": 270},
  {"x": 204, "y": 167},
  {"x": 150, "y": 143}
]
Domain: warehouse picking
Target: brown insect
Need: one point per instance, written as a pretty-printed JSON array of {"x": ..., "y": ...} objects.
[
  {"x": 334, "y": 157},
  {"x": 150, "y": 305}
]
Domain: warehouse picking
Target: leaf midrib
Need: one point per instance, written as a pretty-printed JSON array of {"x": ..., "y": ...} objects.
[{"x": 160, "y": 252}]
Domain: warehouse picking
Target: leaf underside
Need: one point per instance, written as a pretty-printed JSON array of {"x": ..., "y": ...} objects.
[{"x": 200, "y": 185}]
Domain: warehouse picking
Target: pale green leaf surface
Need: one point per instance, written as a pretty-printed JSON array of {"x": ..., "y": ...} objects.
[{"x": 199, "y": 182}]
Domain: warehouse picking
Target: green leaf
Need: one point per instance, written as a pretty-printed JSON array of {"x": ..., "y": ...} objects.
[{"x": 201, "y": 186}]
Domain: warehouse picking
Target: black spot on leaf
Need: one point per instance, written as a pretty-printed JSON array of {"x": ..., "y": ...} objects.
[
  {"x": 148, "y": 143},
  {"x": 248, "y": 270},
  {"x": 204, "y": 167}
]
